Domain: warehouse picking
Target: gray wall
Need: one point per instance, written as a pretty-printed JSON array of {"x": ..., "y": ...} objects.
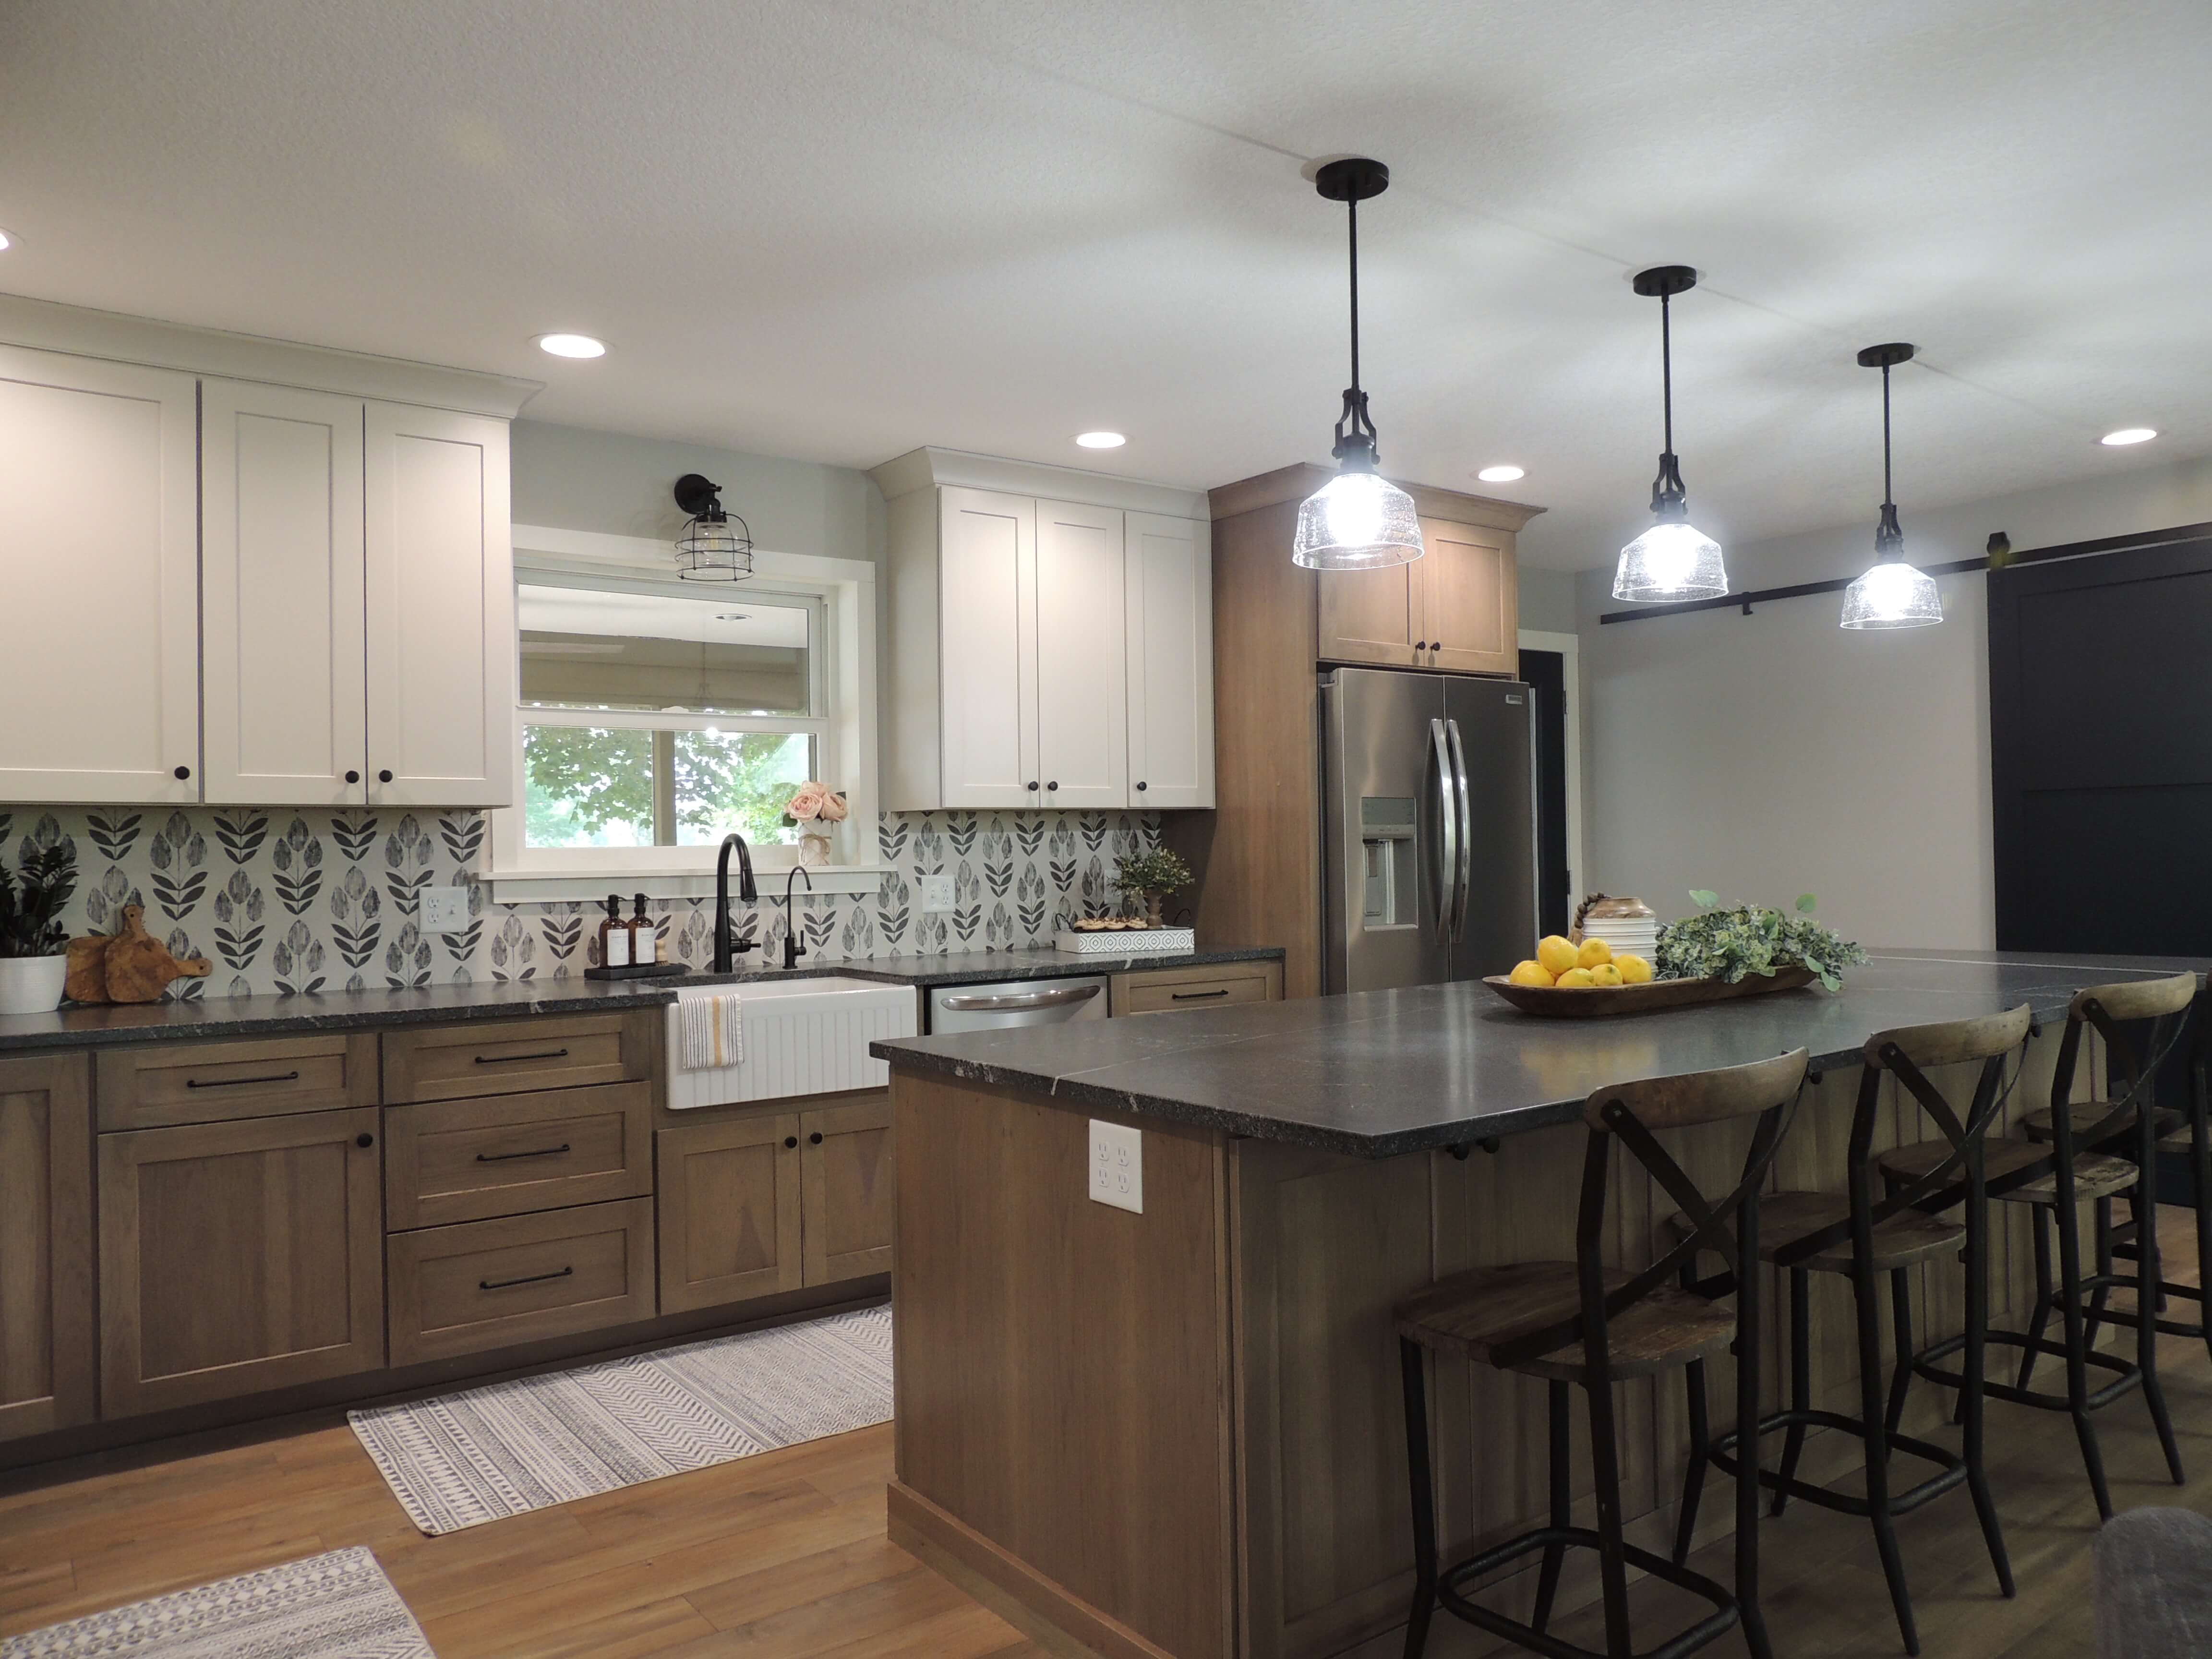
[
  {"x": 1547, "y": 600},
  {"x": 1768, "y": 755}
]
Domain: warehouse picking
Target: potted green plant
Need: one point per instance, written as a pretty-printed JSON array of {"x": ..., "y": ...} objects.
[
  {"x": 1152, "y": 877},
  {"x": 34, "y": 944}
]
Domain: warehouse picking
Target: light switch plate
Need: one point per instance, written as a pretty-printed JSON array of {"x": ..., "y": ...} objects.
[
  {"x": 1117, "y": 1166},
  {"x": 445, "y": 909},
  {"x": 936, "y": 893}
]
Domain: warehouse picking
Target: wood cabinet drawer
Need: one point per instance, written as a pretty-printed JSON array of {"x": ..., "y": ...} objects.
[
  {"x": 156, "y": 1087},
  {"x": 1166, "y": 990},
  {"x": 515, "y": 1057},
  {"x": 466, "y": 1160},
  {"x": 484, "y": 1284}
]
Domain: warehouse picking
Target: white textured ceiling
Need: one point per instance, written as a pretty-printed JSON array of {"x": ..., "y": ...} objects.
[{"x": 836, "y": 231}]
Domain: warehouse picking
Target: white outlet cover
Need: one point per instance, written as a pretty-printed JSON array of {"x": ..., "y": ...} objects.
[
  {"x": 936, "y": 893},
  {"x": 1117, "y": 1166},
  {"x": 444, "y": 909}
]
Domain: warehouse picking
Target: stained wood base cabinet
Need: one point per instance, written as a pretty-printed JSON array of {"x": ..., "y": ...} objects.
[
  {"x": 46, "y": 1245},
  {"x": 238, "y": 1256}
]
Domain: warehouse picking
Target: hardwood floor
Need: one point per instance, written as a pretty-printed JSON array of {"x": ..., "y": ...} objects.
[{"x": 783, "y": 1555}]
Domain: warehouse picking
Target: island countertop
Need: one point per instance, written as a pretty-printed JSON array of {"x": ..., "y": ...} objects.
[{"x": 1385, "y": 1072}]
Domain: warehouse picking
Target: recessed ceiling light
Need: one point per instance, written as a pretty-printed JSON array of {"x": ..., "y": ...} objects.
[
  {"x": 2129, "y": 434},
  {"x": 1100, "y": 440},
  {"x": 7, "y": 240},
  {"x": 572, "y": 345},
  {"x": 1501, "y": 474}
]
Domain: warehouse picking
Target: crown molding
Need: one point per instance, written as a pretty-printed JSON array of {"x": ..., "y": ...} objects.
[{"x": 920, "y": 468}]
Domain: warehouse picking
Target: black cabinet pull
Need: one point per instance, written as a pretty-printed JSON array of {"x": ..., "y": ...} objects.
[
  {"x": 510, "y": 1059},
  {"x": 509, "y": 1283},
  {"x": 240, "y": 1082},
  {"x": 184, "y": 772},
  {"x": 1195, "y": 996},
  {"x": 353, "y": 776},
  {"x": 814, "y": 1140},
  {"x": 364, "y": 1141},
  {"x": 791, "y": 1140},
  {"x": 385, "y": 776},
  {"x": 535, "y": 1151}
]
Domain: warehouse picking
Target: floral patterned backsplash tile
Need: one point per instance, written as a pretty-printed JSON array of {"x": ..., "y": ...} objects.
[{"x": 292, "y": 902}]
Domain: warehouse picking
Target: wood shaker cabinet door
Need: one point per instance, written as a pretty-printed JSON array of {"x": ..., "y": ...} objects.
[
  {"x": 846, "y": 1189},
  {"x": 1082, "y": 660},
  {"x": 987, "y": 663},
  {"x": 46, "y": 1245},
  {"x": 238, "y": 1257},
  {"x": 1470, "y": 599},
  {"x": 282, "y": 590},
  {"x": 100, "y": 523},
  {"x": 1170, "y": 584},
  {"x": 728, "y": 1198},
  {"x": 1369, "y": 616}
]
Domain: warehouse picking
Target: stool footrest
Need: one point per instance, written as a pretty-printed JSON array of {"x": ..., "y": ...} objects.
[
  {"x": 1450, "y": 1595},
  {"x": 1951, "y": 1468},
  {"x": 2128, "y": 1376}
]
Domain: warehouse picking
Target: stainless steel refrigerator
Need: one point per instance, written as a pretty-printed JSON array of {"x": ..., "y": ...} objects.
[{"x": 1428, "y": 827}]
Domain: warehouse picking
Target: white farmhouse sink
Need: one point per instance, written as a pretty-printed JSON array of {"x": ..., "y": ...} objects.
[{"x": 803, "y": 1037}]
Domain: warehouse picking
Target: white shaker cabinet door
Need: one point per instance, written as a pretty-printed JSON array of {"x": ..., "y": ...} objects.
[
  {"x": 1083, "y": 743},
  {"x": 284, "y": 694},
  {"x": 441, "y": 624},
  {"x": 987, "y": 663},
  {"x": 99, "y": 581},
  {"x": 1171, "y": 626}
]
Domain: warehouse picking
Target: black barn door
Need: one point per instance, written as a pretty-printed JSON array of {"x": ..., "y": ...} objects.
[
  {"x": 1555, "y": 901},
  {"x": 2101, "y": 729}
]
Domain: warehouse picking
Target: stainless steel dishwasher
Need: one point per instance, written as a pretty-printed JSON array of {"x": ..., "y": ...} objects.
[{"x": 1016, "y": 1002}]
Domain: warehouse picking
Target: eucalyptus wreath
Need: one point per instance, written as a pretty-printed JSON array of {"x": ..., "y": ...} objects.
[{"x": 1734, "y": 943}]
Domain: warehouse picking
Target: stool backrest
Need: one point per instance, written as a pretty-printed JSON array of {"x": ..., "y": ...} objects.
[
  {"x": 1630, "y": 1113},
  {"x": 1906, "y": 1053},
  {"x": 2165, "y": 1003}
]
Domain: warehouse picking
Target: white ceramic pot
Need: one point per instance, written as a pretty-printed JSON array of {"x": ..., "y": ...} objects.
[
  {"x": 814, "y": 848},
  {"x": 32, "y": 984}
]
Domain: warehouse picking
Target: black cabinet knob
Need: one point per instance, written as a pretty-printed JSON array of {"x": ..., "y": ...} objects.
[
  {"x": 1140, "y": 789},
  {"x": 814, "y": 1140},
  {"x": 1420, "y": 645},
  {"x": 353, "y": 777},
  {"x": 385, "y": 776},
  {"x": 791, "y": 1140},
  {"x": 1032, "y": 783},
  {"x": 183, "y": 771},
  {"x": 1055, "y": 784},
  {"x": 364, "y": 1140}
]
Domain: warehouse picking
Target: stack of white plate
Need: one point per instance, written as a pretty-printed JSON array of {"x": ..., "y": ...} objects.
[{"x": 1636, "y": 936}]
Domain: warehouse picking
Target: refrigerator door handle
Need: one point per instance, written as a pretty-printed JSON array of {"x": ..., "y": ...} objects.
[
  {"x": 1463, "y": 863},
  {"x": 1449, "y": 853}
]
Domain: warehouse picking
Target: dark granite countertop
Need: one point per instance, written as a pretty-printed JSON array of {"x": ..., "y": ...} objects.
[
  {"x": 1386, "y": 1072},
  {"x": 218, "y": 1018}
]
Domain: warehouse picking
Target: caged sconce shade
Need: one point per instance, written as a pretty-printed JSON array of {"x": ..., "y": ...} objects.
[{"x": 716, "y": 546}]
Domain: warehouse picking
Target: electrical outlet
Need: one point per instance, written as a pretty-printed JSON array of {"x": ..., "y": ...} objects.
[
  {"x": 1117, "y": 1166},
  {"x": 445, "y": 909},
  {"x": 936, "y": 893}
]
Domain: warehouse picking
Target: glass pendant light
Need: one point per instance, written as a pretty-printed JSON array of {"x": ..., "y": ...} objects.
[
  {"x": 1673, "y": 560},
  {"x": 1892, "y": 594},
  {"x": 715, "y": 546},
  {"x": 1359, "y": 520}
]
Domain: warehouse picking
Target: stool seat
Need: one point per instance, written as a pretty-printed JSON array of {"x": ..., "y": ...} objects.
[
  {"x": 1785, "y": 1219},
  {"x": 2096, "y": 1175},
  {"x": 2088, "y": 1114},
  {"x": 1472, "y": 1315}
]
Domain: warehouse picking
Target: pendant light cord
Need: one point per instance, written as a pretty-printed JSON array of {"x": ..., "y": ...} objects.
[
  {"x": 1666, "y": 369},
  {"x": 1888, "y": 493},
  {"x": 1352, "y": 211}
]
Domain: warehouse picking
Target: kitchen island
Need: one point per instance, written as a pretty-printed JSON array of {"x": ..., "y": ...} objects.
[{"x": 1178, "y": 1431}]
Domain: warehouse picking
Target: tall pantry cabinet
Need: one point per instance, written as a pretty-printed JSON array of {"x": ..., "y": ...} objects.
[
  {"x": 239, "y": 591},
  {"x": 1051, "y": 639}
]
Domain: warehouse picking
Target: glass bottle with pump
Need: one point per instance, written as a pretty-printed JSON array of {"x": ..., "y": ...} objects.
[
  {"x": 614, "y": 936},
  {"x": 644, "y": 935}
]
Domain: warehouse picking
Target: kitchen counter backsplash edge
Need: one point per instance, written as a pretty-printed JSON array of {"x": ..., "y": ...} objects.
[{"x": 288, "y": 901}]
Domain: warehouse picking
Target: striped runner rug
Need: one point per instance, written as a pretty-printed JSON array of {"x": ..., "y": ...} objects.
[
  {"x": 508, "y": 1448},
  {"x": 338, "y": 1605}
]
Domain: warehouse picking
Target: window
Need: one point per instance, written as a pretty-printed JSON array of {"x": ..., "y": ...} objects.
[
  {"x": 656, "y": 716},
  {"x": 664, "y": 719}
]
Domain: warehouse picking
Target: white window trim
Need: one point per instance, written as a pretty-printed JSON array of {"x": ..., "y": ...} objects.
[
  {"x": 515, "y": 872},
  {"x": 1570, "y": 646}
]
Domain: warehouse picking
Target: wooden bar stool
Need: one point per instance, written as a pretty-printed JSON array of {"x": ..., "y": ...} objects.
[
  {"x": 1853, "y": 1234},
  {"x": 1581, "y": 1322},
  {"x": 2131, "y": 1123}
]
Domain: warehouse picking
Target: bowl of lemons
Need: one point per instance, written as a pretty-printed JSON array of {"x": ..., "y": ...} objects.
[{"x": 1572, "y": 979}]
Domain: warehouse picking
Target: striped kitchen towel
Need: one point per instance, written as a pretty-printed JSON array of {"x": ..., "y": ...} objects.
[{"x": 712, "y": 1032}]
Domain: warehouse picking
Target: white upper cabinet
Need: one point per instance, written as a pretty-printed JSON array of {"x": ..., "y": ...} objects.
[
  {"x": 1170, "y": 602},
  {"x": 987, "y": 584},
  {"x": 1082, "y": 695},
  {"x": 282, "y": 625},
  {"x": 99, "y": 580},
  {"x": 442, "y": 672},
  {"x": 1044, "y": 652}
]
